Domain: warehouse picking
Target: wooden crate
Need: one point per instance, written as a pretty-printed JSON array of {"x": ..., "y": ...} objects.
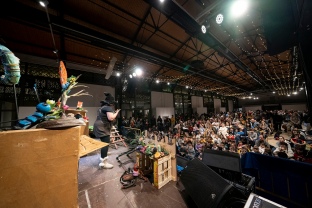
[
  {"x": 145, "y": 163},
  {"x": 162, "y": 171}
]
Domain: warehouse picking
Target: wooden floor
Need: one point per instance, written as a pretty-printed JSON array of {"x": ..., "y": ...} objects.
[{"x": 101, "y": 188}]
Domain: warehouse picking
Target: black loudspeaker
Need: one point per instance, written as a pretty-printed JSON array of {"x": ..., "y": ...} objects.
[
  {"x": 226, "y": 164},
  {"x": 207, "y": 189}
]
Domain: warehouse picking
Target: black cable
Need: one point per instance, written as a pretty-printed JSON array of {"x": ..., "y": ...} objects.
[
  {"x": 16, "y": 106},
  {"x": 51, "y": 31}
]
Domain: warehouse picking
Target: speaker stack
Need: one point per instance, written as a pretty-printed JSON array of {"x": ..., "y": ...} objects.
[
  {"x": 203, "y": 187},
  {"x": 217, "y": 182}
]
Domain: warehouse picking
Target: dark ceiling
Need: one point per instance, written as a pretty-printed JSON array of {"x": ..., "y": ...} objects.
[{"x": 255, "y": 53}]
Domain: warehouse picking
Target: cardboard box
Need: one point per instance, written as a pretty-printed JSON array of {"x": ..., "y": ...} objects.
[{"x": 39, "y": 168}]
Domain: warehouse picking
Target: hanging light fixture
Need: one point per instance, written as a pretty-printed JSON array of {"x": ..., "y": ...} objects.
[{"x": 43, "y": 3}]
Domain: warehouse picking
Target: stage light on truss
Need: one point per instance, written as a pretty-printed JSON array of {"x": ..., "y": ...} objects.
[
  {"x": 239, "y": 7},
  {"x": 219, "y": 19},
  {"x": 118, "y": 74},
  {"x": 157, "y": 81},
  {"x": 134, "y": 74},
  {"x": 43, "y": 3},
  {"x": 162, "y": 1},
  {"x": 186, "y": 87},
  {"x": 168, "y": 83},
  {"x": 130, "y": 75},
  {"x": 301, "y": 88},
  {"x": 295, "y": 92},
  {"x": 273, "y": 92}
]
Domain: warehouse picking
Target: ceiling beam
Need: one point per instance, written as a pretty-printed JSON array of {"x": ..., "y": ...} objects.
[{"x": 189, "y": 24}]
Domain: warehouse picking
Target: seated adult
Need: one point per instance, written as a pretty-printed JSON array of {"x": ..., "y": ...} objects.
[
  {"x": 254, "y": 123},
  {"x": 263, "y": 126},
  {"x": 262, "y": 140},
  {"x": 239, "y": 134},
  {"x": 297, "y": 138},
  {"x": 283, "y": 147},
  {"x": 282, "y": 139},
  {"x": 223, "y": 131},
  {"x": 253, "y": 137}
]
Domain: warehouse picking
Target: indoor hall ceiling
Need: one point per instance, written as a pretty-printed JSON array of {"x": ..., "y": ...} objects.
[{"x": 238, "y": 57}]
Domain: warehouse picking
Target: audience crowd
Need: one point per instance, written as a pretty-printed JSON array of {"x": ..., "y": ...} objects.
[{"x": 238, "y": 132}]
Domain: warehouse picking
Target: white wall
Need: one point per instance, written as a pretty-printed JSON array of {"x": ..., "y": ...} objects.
[
  {"x": 252, "y": 108},
  {"x": 164, "y": 112},
  {"x": 161, "y": 99},
  {"x": 299, "y": 107},
  {"x": 217, "y": 105},
  {"x": 197, "y": 102},
  {"x": 200, "y": 110},
  {"x": 223, "y": 109}
]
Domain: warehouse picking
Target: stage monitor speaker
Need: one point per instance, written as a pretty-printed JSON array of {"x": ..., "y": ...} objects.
[
  {"x": 208, "y": 189},
  {"x": 221, "y": 159}
]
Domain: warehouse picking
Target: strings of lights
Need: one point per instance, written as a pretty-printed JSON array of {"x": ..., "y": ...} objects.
[
  {"x": 278, "y": 86},
  {"x": 259, "y": 52}
]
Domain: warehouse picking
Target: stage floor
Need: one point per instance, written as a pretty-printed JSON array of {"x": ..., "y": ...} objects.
[{"x": 101, "y": 188}]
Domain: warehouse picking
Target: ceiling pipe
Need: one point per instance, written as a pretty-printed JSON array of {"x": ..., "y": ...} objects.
[
  {"x": 207, "y": 10},
  {"x": 130, "y": 49}
]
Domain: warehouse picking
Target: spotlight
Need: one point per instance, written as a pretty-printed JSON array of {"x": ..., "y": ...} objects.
[
  {"x": 168, "y": 83},
  {"x": 161, "y": 1},
  {"x": 295, "y": 92},
  {"x": 273, "y": 92},
  {"x": 43, "y": 3},
  {"x": 250, "y": 93},
  {"x": 288, "y": 95},
  {"x": 130, "y": 75},
  {"x": 186, "y": 87},
  {"x": 301, "y": 88},
  {"x": 157, "y": 81},
  {"x": 206, "y": 26},
  {"x": 219, "y": 19},
  {"x": 239, "y": 7},
  {"x": 118, "y": 74},
  {"x": 139, "y": 71},
  {"x": 134, "y": 74},
  {"x": 205, "y": 90}
]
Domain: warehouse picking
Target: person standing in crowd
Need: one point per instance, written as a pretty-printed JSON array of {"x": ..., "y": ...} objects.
[
  {"x": 103, "y": 125},
  {"x": 173, "y": 121}
]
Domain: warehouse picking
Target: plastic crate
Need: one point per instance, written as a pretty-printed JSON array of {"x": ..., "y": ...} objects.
[
  {"x": 162, "y": 171},
  {"x": 145, "y": 163}
]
